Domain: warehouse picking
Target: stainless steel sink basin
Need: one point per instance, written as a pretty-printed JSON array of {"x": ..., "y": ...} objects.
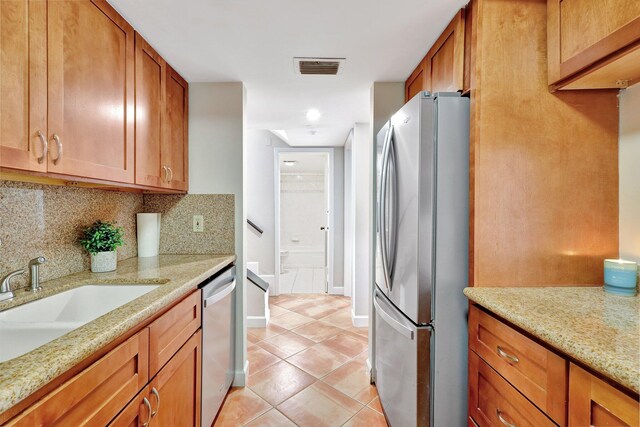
[{"x": 34, "y": 324}]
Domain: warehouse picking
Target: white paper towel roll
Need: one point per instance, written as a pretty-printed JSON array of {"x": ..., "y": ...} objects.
[{"x": 148, "y": 234}]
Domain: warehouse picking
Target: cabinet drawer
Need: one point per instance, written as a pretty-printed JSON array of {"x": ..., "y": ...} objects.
[
  {"x": 493, "y": 402},
  {"x": 98, "y": 393},
  {"x": 168, "y": 333},
  {"x": 535, "y": 371},
  {"x": 593, "y": 402}
]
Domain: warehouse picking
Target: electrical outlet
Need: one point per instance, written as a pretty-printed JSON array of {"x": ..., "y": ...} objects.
[{"x": 198, "y": 224}]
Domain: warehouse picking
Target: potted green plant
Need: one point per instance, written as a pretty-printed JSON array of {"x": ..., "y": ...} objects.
[{"x": 101, "y": 240}]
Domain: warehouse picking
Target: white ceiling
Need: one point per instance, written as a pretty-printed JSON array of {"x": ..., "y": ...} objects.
[
  {"x": 305, "y": 162},
  {"x": 254, "y": 41}
]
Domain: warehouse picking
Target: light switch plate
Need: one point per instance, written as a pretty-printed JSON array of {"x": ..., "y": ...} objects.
[{"x": 198, "y": 224}]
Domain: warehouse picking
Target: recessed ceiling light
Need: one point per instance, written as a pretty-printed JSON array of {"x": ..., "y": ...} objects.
[
  {"x": 289, "y": 162},
  {"x": 313, "y": 114}
]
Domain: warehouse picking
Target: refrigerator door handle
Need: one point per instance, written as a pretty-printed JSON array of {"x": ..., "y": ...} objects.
[
  {"x": 382, "y": 208},
  {"x": 402, "y": 329},
  {"x": 392, "y": 184}
]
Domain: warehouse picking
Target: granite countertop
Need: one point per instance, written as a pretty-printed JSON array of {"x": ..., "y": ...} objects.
[
  {"x": 177, "y": 275},
  {"x": 598, "y": 329}
]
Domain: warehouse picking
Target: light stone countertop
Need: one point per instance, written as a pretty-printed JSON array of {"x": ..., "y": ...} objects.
[
  {"x": 585, "y": 323},
  {"x": 177, "y": 275}
]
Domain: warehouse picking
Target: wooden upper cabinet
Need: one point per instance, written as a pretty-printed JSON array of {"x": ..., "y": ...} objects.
[
  {"x": 151, "y": 72},
  {"x": 593, "y": 44},
  {"x": 23, "y": 85},
  {"x": 175, "y": 137},
  {"x": 417, "y": 81},
  {"x": 593, "y": 402},
  {"x": 442, "y": 69},
  {"x": 91, "y": 91},
  {"x": 445, "y": 60}
]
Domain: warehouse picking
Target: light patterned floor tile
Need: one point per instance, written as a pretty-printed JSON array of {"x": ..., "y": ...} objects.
[
  {"x": 277, "y": 310},
  {"x": 318, "y": 360},
  {"x": 375, "y": 405},
  {"x": 263, "y": 333},
  {"x": 318, "y": 331},
  {"x": 241, "y": 406},
  {"x": 346, "y": 344},
  {"x": 260, "y": 358},
  {"x": 319, "y": 406},
  {"x": 273, "y": 418},
  {"x": 286, "y": 345},
  {"x": 290, "y": 320},
  {"x": 279, "y": 382},
  {"x": 352, "y": 379},
  {"x": 341, "y": 319},
  {"x": 367, "y": 418}
]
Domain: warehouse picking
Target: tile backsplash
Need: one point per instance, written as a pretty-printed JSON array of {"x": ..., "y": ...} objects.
[
  {"x": 47, "y": 220},
  {"x": 176, "y": 230}
]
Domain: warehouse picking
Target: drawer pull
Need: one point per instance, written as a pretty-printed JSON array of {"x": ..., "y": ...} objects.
[
  {"x": 45, "y": 147},
  {"x": 157, "y": 395},
  {"x": 502, "y": 420},
  {"x": 506, "y": 356},
  {"x": 148, "y": 405}
]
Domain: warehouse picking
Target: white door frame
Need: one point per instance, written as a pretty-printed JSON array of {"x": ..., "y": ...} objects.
[{"x": 330, "y": 191}]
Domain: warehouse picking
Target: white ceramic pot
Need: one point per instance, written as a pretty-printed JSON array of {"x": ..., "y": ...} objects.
[{"x": 104, "y": 261}]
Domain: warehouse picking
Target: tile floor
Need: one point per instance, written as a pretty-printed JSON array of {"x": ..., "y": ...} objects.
[
  {"x": 303, "y": 280},
  {"x": 307, "y": 368}
]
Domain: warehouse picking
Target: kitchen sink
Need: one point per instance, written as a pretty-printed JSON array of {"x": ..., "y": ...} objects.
[{"x": 34, "y": 324}]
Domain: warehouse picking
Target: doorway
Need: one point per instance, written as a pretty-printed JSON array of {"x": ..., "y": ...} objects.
[{"x": 303, "y": 221}]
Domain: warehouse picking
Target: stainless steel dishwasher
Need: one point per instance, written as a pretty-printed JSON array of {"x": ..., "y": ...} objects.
[{"x": 218, "y": 341}]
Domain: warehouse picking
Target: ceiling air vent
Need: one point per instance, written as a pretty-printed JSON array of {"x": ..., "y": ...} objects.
[{"x": 318, "y": 66}]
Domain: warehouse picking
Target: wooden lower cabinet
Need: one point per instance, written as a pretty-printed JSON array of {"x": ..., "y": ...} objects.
[
  {"x": 137, "y": 412},
  {"x": 98, "y": 393},
  {"x": 494, "y": 402},
  {"x": 172, "y": 398},
  {"x": 178, "y": 385},
  {"x": 593, "y": 402}
]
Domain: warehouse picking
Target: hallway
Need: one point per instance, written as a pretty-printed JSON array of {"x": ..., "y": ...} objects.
[{"x": 307, "y": 368}]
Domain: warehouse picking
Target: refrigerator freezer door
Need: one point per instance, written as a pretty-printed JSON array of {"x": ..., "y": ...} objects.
[{"x": 402, "y": 366}]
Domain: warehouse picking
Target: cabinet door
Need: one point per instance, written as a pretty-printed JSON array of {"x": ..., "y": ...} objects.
[
  {"x": 176, "y": 139},
  {"x": 91, "y": 91},
  {"x": 593, "y": 44},
  {"x": 136, "y": 413},
  {"x": 98, "y": 393},
  {"x": 150, "y": 94},
  {"x": 23, "y": 85},
  {"x": 417, "y": 81},
  {"x": 593, "y": 402},
  {"x": 178, "y": 386},
  {"x": 445, "y": 60}
]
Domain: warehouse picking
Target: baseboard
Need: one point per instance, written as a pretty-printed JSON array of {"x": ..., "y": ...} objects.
[
  {"x": 240, "y": 377},
  {"x": 359, "y": 321},
  {"x": 257, "y": 321},
  {"x": 336, "y": 290}
]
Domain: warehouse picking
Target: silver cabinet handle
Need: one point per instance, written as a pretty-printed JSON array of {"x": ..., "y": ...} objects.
[
  {"x": 508, "y": 357},
  {"x": 148, "y": 405},
  {"x": 170, "y": 174},
  {"x": 56, "y": 139},
  {"x": 164, "y": 168},
  {"x": 45, "y": 147},
  {"x": 502, "y": 420},
  {"x": 157, "y": 395}
]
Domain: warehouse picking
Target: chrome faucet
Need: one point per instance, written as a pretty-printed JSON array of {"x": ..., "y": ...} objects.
[
  {"x": 34, "y": 270},
  {"x": 5, "y": 287}
]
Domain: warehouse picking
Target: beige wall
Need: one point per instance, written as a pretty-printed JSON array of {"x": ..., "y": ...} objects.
[{"x": 629, "y": 169}]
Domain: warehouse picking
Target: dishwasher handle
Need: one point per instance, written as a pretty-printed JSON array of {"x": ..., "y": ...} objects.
[{"x": 220, "y": 294}]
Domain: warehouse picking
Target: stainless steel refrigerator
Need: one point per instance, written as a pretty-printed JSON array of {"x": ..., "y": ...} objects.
[{"x": 422, "y": 227}]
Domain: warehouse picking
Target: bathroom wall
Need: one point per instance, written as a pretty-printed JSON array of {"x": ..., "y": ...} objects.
[
  {"x": 47, "y": 220},
  {"x": 303, "y": 210}
]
